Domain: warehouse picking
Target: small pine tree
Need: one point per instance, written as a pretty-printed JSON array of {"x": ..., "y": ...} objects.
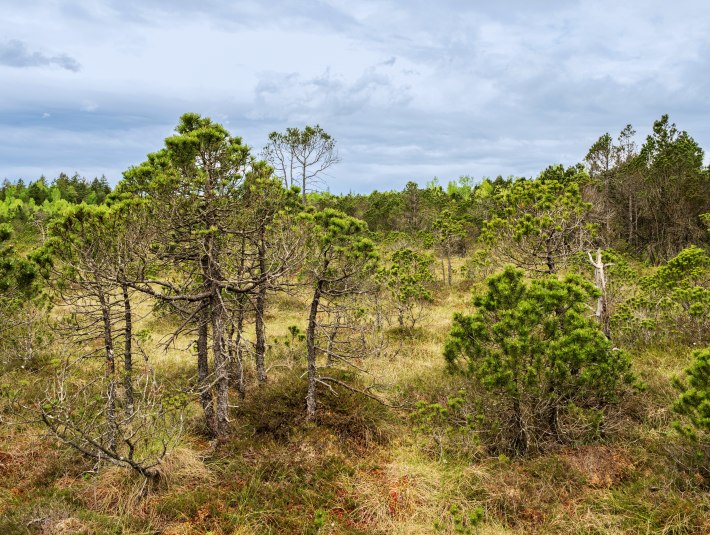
[
  {"x": 406, "y": 279},
  {"x": 672, "y": 303},
  {"x": 539, "y": 224},
  {"x": 447, "y": 231},
  {"x": 342, "y": 258},
  {"x": 535, "y": 347},
  {"x": 694, "y": 400}
]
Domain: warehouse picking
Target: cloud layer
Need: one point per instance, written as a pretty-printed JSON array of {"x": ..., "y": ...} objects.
[
  {"x": 14, "y": 53},
  {"x": 411, "y": 90}
]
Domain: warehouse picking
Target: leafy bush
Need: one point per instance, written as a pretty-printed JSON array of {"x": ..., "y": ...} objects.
[
  {"x": 406, "y": 278},
  {"x": 451, "y": 425},
  {"x": 672, "y": 303},
  {"x": 538, "y": 225},
  {"x": 534, "y": 346},
  {"x": 694, "y": 400}
]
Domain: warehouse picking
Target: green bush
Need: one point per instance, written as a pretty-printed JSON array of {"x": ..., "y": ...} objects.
[
  {"x": 536, "y": 349},
  {"x": 694, "y": 401},
  {"x": 672, "y": 304}
]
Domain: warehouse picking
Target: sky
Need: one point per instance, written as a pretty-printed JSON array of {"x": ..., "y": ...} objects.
[{"x": 410, "y": 89}]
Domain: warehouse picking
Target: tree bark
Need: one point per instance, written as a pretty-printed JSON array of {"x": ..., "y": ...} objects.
[
  {"x": 235, "y": 349},
  {"x": 329, "y": 347},
  {"x": 602, "y": 312},
  {"x": 128, "y": 351},
  {"x": 448, "y": 261},
  {"x": 550, "y": 259},
  {"x": 110, "y": 372},
  {"x": 520, "y": 440},
  {"x": 311, "y": 345},
  {"x": 203, "y": 371},
  {"x": 220, "y": 367},
  {"x": 260, "y": 346}
]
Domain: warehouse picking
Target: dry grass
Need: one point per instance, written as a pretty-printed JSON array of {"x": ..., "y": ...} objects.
[
  {"x": 282, "y": 478},
  {"x": 408, "y": 493}
]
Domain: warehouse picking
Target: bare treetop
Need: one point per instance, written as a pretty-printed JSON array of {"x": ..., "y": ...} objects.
[{"x": 300, "y": 157}]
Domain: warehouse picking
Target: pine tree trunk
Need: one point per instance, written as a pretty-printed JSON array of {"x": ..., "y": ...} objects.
[
  {"x": 550, "y": 259},
  {"x": 602, "y": 311},
  {"x": 237, "y": 344},
  {"x": 448, "y": 261},
  {"x": 203, "y": 371},
  {"x": 237, "y": 350},
  {"x": 260, "y": 346},
  {"x": 329, "y": 350},
  {"x": 311, "y": 345},
  {"x": 128, "y": 351},
  {"x": 520, "y": 439},
  {"x": 110, "y": 372},
  {"x": 220, "y": 367}
]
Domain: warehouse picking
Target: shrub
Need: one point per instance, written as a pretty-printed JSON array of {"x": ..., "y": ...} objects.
[
  {"x": 534, "y": 346},
  {"x": 674, "y": 303},
  {"x": 407, "y": 278},
  {"x": 694, "y": 401}
]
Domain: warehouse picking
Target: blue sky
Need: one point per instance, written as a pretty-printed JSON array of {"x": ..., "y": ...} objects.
[{"x": 410, "y": 89}]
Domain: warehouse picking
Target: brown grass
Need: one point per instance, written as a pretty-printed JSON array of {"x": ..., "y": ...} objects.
[{"x": 384, "y": 480}]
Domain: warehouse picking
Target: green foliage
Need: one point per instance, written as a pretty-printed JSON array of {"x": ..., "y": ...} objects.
[
  {"x": 539, "y": 224},
  {"x": 674, "y": 302},
  {"x": 650, "y": 200},
  {"x": 448, "y": 231},
  {"x": 689, "y": 268},
  {"x": 183, "y": 169},
  {"x": 478, "y": 266},
  {"x": 694, "y": 400},
  {"x": 406, "y": 278},
  {"x": 16, "y": 273},
  {"x": 705, "y": 218},
  {"x": 447, "y": 228},
  {"x": 574, "y": 174},
  {"x": 451, "y": 425},
  {"x": 23, "y": 311},
  {"x": 383, "y": 209},
  {"x": 464, "y": 522},
  {"x": 74, "y": 190},
  {"x": 534, "y": 346},
  {"x": 342, "y": 250}
]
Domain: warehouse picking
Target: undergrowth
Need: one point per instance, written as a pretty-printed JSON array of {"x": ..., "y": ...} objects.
[{"x": 364, "y": 467}]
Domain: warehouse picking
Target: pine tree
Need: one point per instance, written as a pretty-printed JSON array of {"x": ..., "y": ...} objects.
[{"x": 534, "y": 346}]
